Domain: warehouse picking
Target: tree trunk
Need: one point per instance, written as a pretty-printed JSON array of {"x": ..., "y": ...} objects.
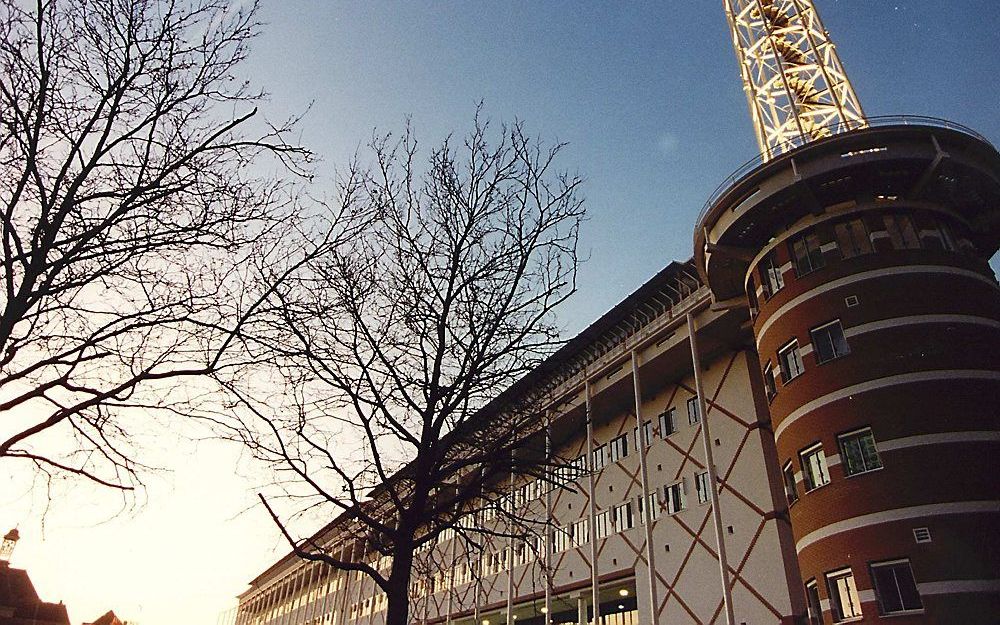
[{"x": 398, "y": 609}]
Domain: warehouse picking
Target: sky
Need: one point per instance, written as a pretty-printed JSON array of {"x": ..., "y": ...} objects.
[{"x": 646, "y": 94}]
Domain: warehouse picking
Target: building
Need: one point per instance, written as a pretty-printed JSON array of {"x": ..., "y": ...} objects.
[
  {"x": 817, "y": 391},
  {"x": 19, "y": 602}
]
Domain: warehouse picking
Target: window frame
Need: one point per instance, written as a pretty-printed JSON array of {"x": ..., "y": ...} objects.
[
  {"x": 893, "y": 565},
  {"x": 702, "y": 484},
  {"x": 847, "y": 232},
  {"x": 667, "y": 418},
  {"x": 836, "y": 605},
  {"x": 812, "y": 258},
  {"x": 857, "y": 434},
  {"x": 835, "y": 351},
  {"x": 618, "y": 448},
  {"x": 814, "y": 610},
  {"x": 807, "y": 476},
  {"x": 770, "y": 383},
  {"x": 901, "y": 227},
  {"x": 771, "y": 278},
  {"x": 791, "y": 487},
  {"x": 648, "y": 427},
  {"x": 674, "y": 504},
  {"x": 790, "y": 346},
  {"x": 694, "y": 417}
]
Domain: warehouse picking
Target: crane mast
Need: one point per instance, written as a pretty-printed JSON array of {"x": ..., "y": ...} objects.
[{"x": 795, "y": 84}]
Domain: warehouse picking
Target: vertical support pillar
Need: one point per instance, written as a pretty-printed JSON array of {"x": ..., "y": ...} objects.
[
  {"x": 720, "y": 541},
  {"x": 647, "y": 512},
  {"x": 361, "y": 577},
  {"x": 452, "y": 563},
  {"x": 345, "y": 577},
  {"x": 581, "y": 609},
  {"x": 510, "y": 544},
  {"x": 592, "y": 491},
  {"x": 280, "y": 607},
  {"x": 547, "y": 537},
  {"x": 327, "y": 587}
]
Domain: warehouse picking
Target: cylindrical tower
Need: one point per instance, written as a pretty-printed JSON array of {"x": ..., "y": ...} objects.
[{"x": 864, "y": 260}]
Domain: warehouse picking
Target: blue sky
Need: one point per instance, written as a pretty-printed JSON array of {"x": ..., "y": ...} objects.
[
  {"x": 646, "y": 93},
  {"x": 649, "y": 98}
]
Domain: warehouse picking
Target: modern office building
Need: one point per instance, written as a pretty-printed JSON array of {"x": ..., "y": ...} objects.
[{"x": 799, "y": 425}]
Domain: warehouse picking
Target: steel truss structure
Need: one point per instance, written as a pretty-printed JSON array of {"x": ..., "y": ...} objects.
[{"x": 795, "y": 84}]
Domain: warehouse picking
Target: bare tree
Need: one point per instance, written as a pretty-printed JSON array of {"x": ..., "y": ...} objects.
[
  {"x": 386, "y": 403},
  {"x": 128, "y": 194}
]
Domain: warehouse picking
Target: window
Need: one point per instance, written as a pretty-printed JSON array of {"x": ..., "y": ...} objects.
[
  {"x": 858, "y": 452},
  {"x": 622, "y": 517},
  {"x": 853, "y": 238},
  {"x": 769, "y": 386},
  {"x": 701, "y": 485},
  {"x": 674, "y": 495},
  {"x": 790, "y": 361},
  {"x": 619, "y": 447},
  {"x": 579, "y": 467},
  {"x": 600, "y": 457},
  {"x": 602, "y": 524},
  {"x": 770, "y": 276},
  {"x": 580, "y": 532},
  {"x": 647, "y": 431},
  {"x": 902, "y": 232},
  {"x": 788, "y": 474},
  {"x": 894, "y": 587},
  {"x": 694, "y": 415},
  {"x": 947, "y": 238},
  {"x": 561, "y": 539},
  {"x": 806, "y": 253},
  {"x": 814, "y": 467},
  {"x": 813, "y": 603},
  {"x": 829, "y": 342},
  {"x": 654, "y": 506},
  {"x": 843, "y": 595},
  {"x": 752, "y": 297},
  {"x": 667, "y": 423}
]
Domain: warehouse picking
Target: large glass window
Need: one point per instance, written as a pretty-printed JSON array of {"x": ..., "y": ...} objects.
[
  {"x": 667, "y": 423},
  {"x": 844, "y": 600},
  {"x": 814, "y": 467},
  {"x": 791, "y": 362},
  {"x": 895, "y": 588},
  {"x": 770, "y": 276},
  {"x": 858, "y": 452},
  {"x": 788, "y": 474},
  {"x": 701, "y": 485},
  {"x": 902, "y": 232},
  {"x": 853, "y": 238},
  {"x": 806, "y": 253},
  {"x": 829, "y": 342}
]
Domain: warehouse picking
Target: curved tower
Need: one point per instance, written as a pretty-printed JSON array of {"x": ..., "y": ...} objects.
[{"x": 861, "y": 247}]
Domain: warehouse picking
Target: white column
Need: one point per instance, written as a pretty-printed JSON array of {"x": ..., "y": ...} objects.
[
  {"x": 594, "y": 587},
  {"x": 720, "y": 541},
  {"x": 647, "y": 513},
  {"x": 547, "y": 537},
  {"x": 510, "y": 547}
]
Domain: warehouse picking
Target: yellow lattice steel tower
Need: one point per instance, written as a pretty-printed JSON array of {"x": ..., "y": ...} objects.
[{"x": 795, "y": 84}]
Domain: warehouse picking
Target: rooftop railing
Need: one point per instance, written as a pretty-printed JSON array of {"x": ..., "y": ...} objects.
[{"x": 842, "y": 128}]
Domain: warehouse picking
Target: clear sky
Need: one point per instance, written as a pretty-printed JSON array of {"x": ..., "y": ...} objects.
[{"x": 647, "y": 94}]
